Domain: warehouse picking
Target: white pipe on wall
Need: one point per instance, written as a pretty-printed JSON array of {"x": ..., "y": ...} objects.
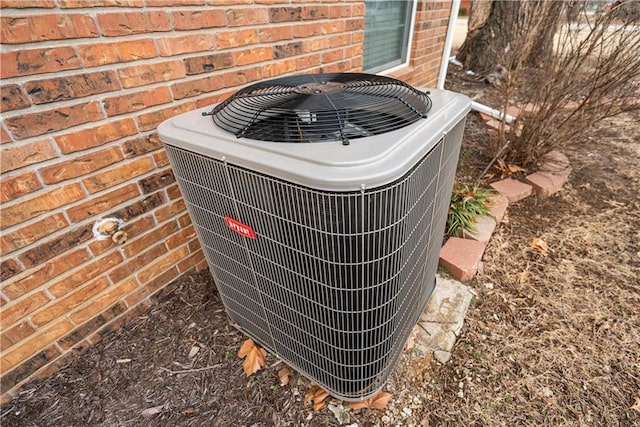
[{"x": 444, "y": 64}]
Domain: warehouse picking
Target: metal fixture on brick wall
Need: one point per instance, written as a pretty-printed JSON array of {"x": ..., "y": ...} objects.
[
  {"x": 320, "y": 202},
  {"x": 109, "y": 228}
]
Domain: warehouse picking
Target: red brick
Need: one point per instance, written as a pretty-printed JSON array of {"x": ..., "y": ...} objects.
[
  {"x": 26, "y": 235},
  {"x": 342, "y": 11},
  {"x": 161, "y": 159},
  {"x": 9, "y": 268},
  {"x": 159, "y": 3},
  {"x": 14, "y": 312},
  {"x": 132, "y": 229},
  {"x": 209, "y": 101},
  {"x": 48, "y": 271},
  {"x": 251, "y": 56},
  {"x": 169, "y": 46},
  {"x": 18, "y": 156},
  {"x": 556, "y": 163},
  {"x": 140, "y": 75},
  {"x": 315, "y": 12},
  {"x": 38, "y": 61},
  {"x": 70, "y": 87},
  {"x": 159, "y": 234},
  {"x": 15, "y": 186},
  {"x": 512, "y": 189},
  {"x": 151, "y": 287},
  {"x": 184, "y": 220},
  {"x": 118, "y": 174},
  {"x": 332, "y": 56},
  {"x": 292, "y": 13},
  {"x": 56, "y": 246},
  {"x": 136, "y": 101},
  {"x": 484, "y": 227},
  {"x": 125, "y": 270},
  {"x": 121, "y": 24},
  {"x": 238, "y": 78},
  {"x": 236, "y": 38},
  {"x": 498, "y": 205},
  {"x": 461, "y": 257},
  {"x": 545, "y": 184},
  {"x": 274, "y": 34},
  {"x": 247, "y": 17},
  {"x": 191, "y": 88},
  {"x": 17, "y": 333},
  {"x": 308, "y": 61},
  {"x": 31, "y": 208},
  {"x": 208, "y": 63},
  {"x": 101, "y": 3},
  {"x": 102, "y": 203},
  {"x": 173, "y": 192},
  {"x": 196, "y": 19},
  {"x": 4, "y": 136},
  {"x": 13, "y": 98},
  {"x": 181, "y": 237},
  {"x": 157, "y": 181},
  {"x": 275, "y": 69},
  {"x": 94, "y": 324},
  {"x": 34, "y": 344},
  {"x": 35, "y": 124},
  {"x": 103, "y": 301},
  {"x": 340, "y": 40},
  {"x": 76, "y": 280},
  {"x": 27, "y": 368},
  {"x": 308, "y": 30},
  {"x": 191, "y": 261},
  {"x": 18, "y": 4},
  {"x": 138, "y": 208},
  {"x": 34, "y": 28},
  {"x": 64, "y": 305},
  {"x": 109, "y": 53},
  {"x": 81, "y": 165},
  {"x": 142, "y": 145},
  {"x": 316, "y": 44},
  {"x": 96, "y": 136},
  {"x": 149, "y": 121},
  {"x": 160, "y": 265}
]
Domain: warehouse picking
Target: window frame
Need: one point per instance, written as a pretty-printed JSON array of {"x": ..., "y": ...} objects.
[{"x": 406, "y": 48}]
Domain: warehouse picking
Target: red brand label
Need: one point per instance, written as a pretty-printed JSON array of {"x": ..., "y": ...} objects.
[{"x": 240, "y": 228}]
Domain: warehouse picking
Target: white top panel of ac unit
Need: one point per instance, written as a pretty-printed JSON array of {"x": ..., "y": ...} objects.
[{"x": 367, "y": 162}]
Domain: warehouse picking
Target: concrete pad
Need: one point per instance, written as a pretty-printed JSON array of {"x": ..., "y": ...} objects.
[
  {"x": 512, "y": 189},
  {"x": 442, "y": 319},
  {"x": 484, "y": 229},
  {"x": 498, "y": 206},
  {"x": 461, "y": 257}
]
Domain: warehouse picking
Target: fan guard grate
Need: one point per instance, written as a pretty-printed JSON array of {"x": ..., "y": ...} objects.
[{"x": 321, "y": 108}]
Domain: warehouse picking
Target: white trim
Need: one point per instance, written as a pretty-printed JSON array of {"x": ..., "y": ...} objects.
[{"x": 412, "y": 30}]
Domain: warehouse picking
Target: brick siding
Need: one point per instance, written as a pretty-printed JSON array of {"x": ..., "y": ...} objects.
[{"x": 84, "y": 86}]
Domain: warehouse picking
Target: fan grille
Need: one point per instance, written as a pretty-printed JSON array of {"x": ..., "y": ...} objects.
[{"x": 321, "y": 108}]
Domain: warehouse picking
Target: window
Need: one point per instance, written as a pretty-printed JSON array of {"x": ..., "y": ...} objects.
[{"x": 387, "y": 33}]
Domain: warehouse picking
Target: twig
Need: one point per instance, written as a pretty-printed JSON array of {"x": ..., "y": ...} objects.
[
  {"x": 495, "y": 158},
  {"x": 185, "y": 371}
]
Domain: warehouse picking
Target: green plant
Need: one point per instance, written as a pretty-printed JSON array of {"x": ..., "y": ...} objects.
[{"x": 467, "y": 202}]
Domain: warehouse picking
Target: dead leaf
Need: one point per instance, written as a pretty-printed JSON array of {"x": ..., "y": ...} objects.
[
  {"x": 378, "y": 401},
  {"x": 636, "y": 405},
  {"x": 283, "y": 374},
  {"x": 317, "y": 396},
  {"x": 151, "y": 411},
  {"x": 540, "y": 245},
  {"x": 188, "y": 410},
  {"x": 515, "y": 168},
  {"x": 254, "y": 357},
  {"x": 123, "y": 360}
]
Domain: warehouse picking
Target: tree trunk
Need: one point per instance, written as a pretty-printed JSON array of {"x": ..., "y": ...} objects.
[{"x": 509, "y": 33}]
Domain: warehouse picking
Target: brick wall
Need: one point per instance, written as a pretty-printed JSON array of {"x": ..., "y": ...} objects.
[{"x": 83, "y": 89}]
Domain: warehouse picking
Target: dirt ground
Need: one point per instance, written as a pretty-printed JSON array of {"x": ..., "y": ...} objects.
[{"x": 552, "y": 339}]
